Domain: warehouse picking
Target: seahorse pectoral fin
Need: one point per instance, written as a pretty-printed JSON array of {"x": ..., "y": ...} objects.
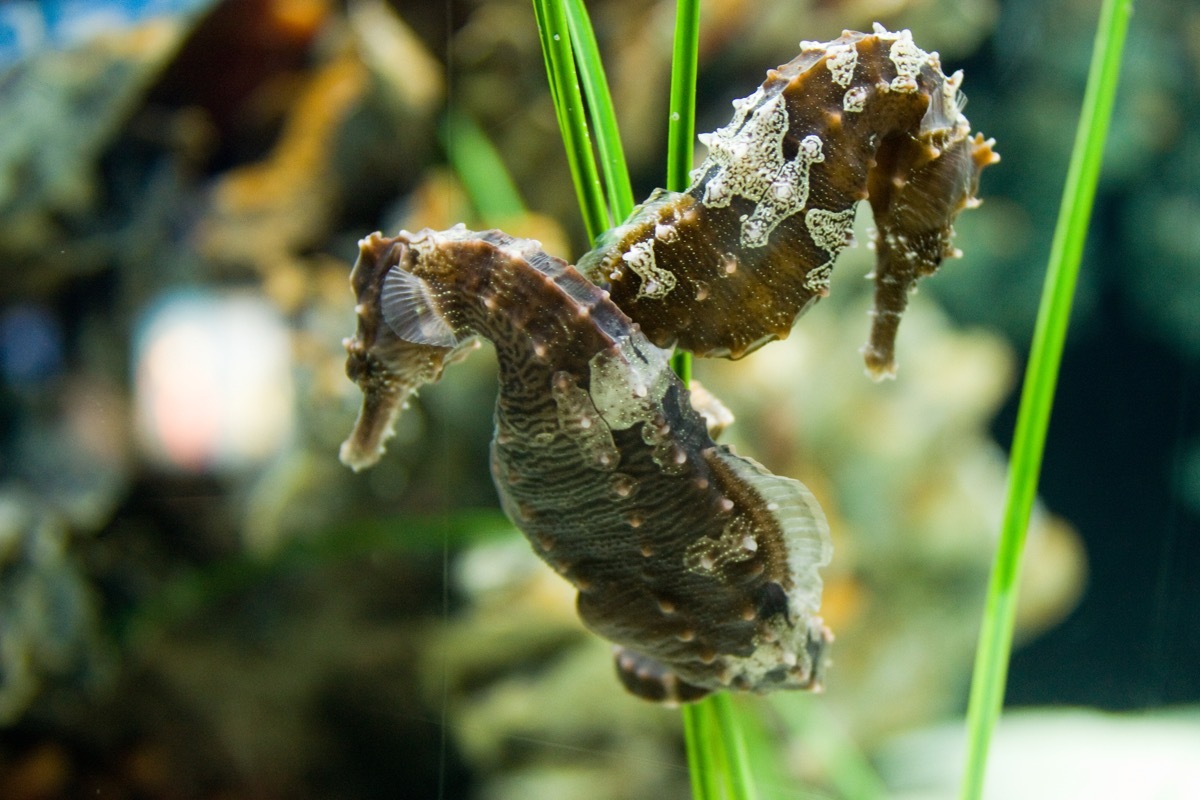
[
  {"x": 645, "y": 677},
  {"x": 410, "y": 310}
]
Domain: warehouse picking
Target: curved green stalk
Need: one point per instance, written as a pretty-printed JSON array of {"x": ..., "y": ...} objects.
[
  {"x": 732, "y": 743},
  {"x": 702, "y": 766},
  {"x": 480, "y": 169},
  {"x": 568, "y": 105},
  {"x": 600, "y": 106},
  {"x": 1037, "y": 395},
  {"x": 681, "y": 125}
]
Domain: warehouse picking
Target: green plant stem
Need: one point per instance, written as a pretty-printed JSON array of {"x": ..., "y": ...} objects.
[
  {"x": 480, "y": 169},
  {"x": 1037, "y": 395},
  {"x": 568, "y": 106},
  {"x": 737, "y": 762},
  {"x": 697, "y": 727},
  {"x": 681, "y": 123},
  {"x": 604, "y": 119}
]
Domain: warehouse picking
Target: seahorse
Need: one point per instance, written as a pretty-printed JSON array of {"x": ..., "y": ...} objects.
[
  {"x": 729, "y": 265},
  {"x": 698, "y": 563}
]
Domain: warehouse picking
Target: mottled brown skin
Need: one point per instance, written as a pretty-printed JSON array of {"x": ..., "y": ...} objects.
[
  {"x": 909, "y": 152},
  {"x": 617, "y": 503}
]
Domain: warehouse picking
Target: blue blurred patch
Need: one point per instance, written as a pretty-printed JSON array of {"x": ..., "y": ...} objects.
[
  {"x": 31, "y": 345},
  {"x": 30, "y": 26}
]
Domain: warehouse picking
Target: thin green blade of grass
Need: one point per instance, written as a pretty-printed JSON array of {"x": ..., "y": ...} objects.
[
  {"x": 702, "y": 757},
  {"x": 732, "y": 743},
  {"x": 681, "y": 124},
  {"x": 702, "y": 765},
  {"x": 1037, "y": 395},
  {"x": 480, "y": 169},
  {"x": 600, "y": 107},
  {"x": 759, "y": 738},
  {"x": 555, "y": 36}
]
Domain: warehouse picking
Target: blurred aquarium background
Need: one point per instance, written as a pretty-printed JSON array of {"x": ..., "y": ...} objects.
[{"x": 198, "y": 601}]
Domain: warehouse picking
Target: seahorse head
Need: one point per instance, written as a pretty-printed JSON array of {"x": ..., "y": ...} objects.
[{"x": 401, "y": 342}]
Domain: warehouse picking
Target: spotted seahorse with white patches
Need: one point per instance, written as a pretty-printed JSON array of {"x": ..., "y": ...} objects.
[
  {"x": 699, "y": 564},
  {"x": 729, "y": 265}
]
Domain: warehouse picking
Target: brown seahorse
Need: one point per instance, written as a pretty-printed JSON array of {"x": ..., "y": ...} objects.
[
  {"x": 700, "y": 564},
  {"x": 728, "y": 265}
]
